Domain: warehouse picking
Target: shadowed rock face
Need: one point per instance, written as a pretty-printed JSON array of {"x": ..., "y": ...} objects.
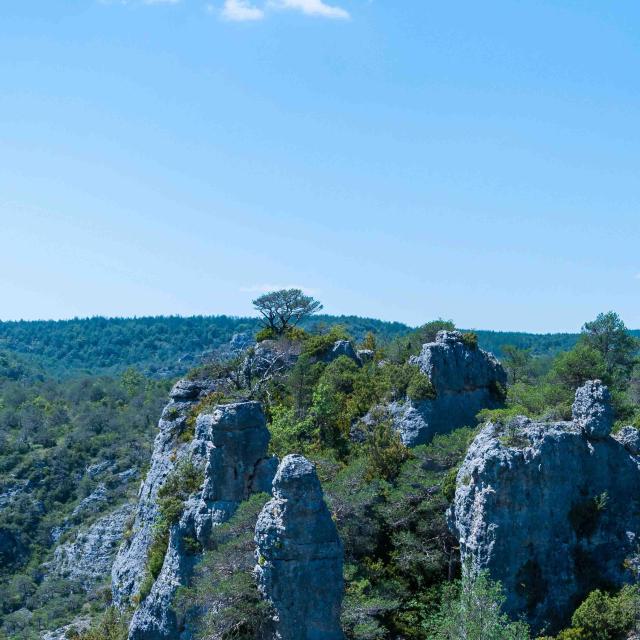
[
  {"x": 300, "y": 556},
  {"x": 552, "y": 510},
  {"x": 466, "y": 379}
]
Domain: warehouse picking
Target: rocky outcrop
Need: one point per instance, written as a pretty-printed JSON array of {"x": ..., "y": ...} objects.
[
  {"x": 300, "y": 556},
  {"x": 233, "y": 442},
  {"x": 552, "y": 510},
  {"x": 341, "y": 348},
  {"x": 465, "y": 380},
  {"x": 169, "y": 450},
  {"x": 87, "y": 560}
]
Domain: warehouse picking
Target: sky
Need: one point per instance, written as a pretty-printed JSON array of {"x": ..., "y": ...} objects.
[{"x": 404, "y": 160}]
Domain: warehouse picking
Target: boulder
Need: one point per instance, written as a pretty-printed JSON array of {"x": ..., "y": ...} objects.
[
  {"x": 341, "y": 348},
  {"x": 629, "y": 438},
  {"x": 549, "y": 511},
  {"x": 592, "y": 409},
  {"x": 465, "y": 378},
  {"x": 300, "y": 556}
]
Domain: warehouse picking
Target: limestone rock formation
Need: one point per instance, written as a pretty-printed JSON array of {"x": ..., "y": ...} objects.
[
  {"x": 300, "y": 556},
  {"x": 592, "y": 409},
  {"x": 552, "y": 510},
  {"x": 465, "y": 378},
  {"x": 168, "y": 452},
  {"x": 341, "y": 348},
  {"x": 629, "y": 438},
  {"x": 89, "y": 557},
  {"x": 233, "y": 442}
]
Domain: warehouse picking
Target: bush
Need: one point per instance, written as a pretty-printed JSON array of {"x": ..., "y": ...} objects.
[
  {"x": 420, "y": 387},
  {"x": 605, "y": 617},
  {"x": 385, "y": 451},
  {"x": 470, "y": 339},
  {"x": 472, "y": 610}
]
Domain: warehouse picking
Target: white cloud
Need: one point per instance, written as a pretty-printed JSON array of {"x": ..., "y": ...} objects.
[
  {"x": 312, "y": 8},
  {"x": 637, "y": 276},
  {"x": 241, "y": 11},
  {"x": 265, "y": 288}
]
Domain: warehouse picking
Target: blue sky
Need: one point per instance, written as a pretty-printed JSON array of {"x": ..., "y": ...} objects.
[{"x": 404, "y": 160}]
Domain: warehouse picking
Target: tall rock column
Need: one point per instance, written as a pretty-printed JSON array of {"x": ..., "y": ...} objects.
[{"x": 300, "y": 556}]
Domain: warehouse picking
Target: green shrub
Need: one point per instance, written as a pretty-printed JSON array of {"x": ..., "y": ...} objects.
[
  {"x": 113, "y": 625},
  {"x": 384, "y": 448},
  {"x": 470, "y": 339},
  {"x": 420, "y": 387},
  {"x": 184, "y": 480},
  {"x": 472, "y": 610},
  {"x": 605, "y": 617},
  {"x": 266, "y": 333},
  {"x": 584, "y": 516},
  {"x": 317, "y": 345}
]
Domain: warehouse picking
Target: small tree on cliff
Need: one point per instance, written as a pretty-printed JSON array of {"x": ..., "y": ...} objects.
[{"x": 284, "y": 309}]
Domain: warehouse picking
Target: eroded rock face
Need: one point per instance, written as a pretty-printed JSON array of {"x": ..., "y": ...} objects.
[
  {"x": 89, "y": 557},
  {"x": 550, "y": 510},
  {"x": 233, "y": 442},
  {"x": 168, "y": 451},
  {"x": 466, "y": 379},
  {"x": 300, "y": 556}
]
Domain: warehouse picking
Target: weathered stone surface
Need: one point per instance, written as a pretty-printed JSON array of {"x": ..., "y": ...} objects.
[
  {"x": 233, "y": 441},
  {"x": 592, "y": 409},
  {"x": 629, "y": 438},
  {"x": 365, "y": 355},
  {"x": 168, "y": 452},
  {"x": 549, "y": 511},
  {"x": 300, "y": 556},
  {"x": 341, "y": 348},
  {"x": 88, "y": 558},
  {"x": 466, "y": 379},
  {"x": 79, "y": 625}
]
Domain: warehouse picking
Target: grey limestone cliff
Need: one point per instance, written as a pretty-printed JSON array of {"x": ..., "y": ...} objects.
[
  {"x": 169, "y": 449},
  {"x": 552, "y": 510},
  {"x": 300, "y": 556},
  {"x": 232, "y": 440}
]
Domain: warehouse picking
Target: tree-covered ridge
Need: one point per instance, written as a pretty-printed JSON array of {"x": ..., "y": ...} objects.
[
  {"x": 168, "y": 346},
  {"x": 162, "y": 346}
]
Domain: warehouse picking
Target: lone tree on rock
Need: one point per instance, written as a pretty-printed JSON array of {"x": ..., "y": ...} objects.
[{"x": 284, "y": 309}]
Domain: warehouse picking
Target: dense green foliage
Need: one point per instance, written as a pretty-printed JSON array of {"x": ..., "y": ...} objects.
[
  {"x": 604, "y": 616},
  {"x": 50, "y": 434},
  {"x": 157, "y": 346}
]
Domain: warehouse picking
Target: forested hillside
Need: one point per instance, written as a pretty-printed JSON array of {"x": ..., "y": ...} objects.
[{"x": 169, "y": 346}]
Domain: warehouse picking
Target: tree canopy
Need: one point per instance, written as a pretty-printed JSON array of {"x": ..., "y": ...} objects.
[{"x": 284, "y": 309}]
